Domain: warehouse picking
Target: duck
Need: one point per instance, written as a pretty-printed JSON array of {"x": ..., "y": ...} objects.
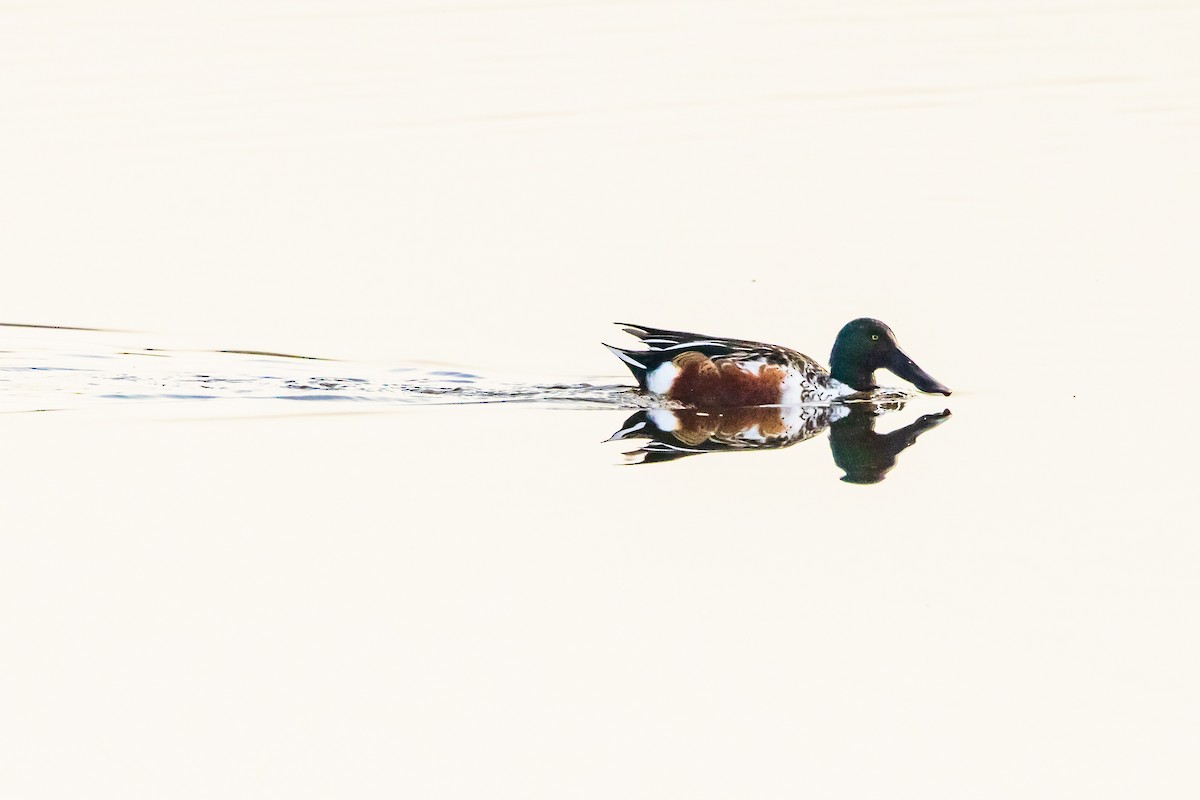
[{"x": 704, "y": 371}]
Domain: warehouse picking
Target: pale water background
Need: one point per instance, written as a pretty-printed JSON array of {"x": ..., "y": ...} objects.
[{"x": 257, "y": 597}]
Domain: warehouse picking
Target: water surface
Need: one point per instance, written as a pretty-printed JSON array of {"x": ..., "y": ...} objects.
[{"x": 240, "y": 574}]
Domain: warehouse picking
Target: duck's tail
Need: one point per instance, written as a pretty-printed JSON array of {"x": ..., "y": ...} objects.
[{"x": 639, "y": 362}]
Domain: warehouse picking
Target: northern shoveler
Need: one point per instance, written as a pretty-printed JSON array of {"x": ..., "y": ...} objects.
[{"x": 716, "y": 372}]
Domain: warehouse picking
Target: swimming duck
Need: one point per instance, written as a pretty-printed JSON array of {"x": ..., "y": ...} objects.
[{"x": 716, "y": 372}]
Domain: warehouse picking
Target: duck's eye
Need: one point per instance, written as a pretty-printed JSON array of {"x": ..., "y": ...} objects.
[{"x": 874, "y": 337}]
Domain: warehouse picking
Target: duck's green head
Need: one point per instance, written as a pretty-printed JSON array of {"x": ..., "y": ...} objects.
[{"x": 865, "y": 345}]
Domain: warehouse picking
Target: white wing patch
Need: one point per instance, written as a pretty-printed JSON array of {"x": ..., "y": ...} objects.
[
  {"x": 753, "y": 367},
  {"x": 660, "y": 379}
]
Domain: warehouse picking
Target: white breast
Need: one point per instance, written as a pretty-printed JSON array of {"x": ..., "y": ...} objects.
[{"x": 803, "y": 386}]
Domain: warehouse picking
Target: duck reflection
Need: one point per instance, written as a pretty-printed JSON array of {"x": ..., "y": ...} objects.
[{"x": 864, "y": 455}]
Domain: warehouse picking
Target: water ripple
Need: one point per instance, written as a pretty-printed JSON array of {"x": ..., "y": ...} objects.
[{"x": 52, "y": 371}]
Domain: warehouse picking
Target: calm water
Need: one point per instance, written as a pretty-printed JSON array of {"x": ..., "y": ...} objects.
[{"x": 342, "y": 521}]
